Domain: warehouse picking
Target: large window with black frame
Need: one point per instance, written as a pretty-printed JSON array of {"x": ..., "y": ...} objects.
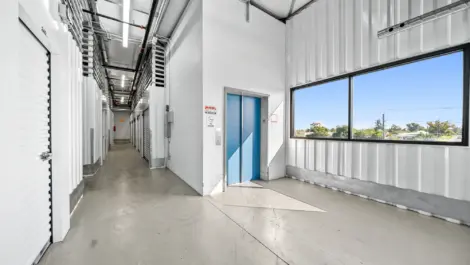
[{"x": 422, "y": 100}]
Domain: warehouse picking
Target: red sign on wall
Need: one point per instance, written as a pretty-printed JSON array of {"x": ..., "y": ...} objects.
[{"x": 210, "y": 110}]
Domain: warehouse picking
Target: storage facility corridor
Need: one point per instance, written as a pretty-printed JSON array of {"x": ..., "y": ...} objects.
[{"x": 235, "y": 132}]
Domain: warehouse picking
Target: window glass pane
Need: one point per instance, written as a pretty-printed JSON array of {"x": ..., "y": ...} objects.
[
  {"x": 321, "y": 111},
  {"x": 420, "y": 101}
]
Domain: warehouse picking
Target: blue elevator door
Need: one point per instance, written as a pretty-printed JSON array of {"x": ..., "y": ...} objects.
[
  {"x": 251, "y": 138},
  {"x": 233, "y": 127}
]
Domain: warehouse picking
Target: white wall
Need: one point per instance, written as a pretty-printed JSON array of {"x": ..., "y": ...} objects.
[
  {"x": 105, "y": 130},
  {"x": 111, "y": 127},
  {"x": 247, "y": 56},
  {"x": 123, "y": 129},
  {"x": 66, "y": 111},
  {"x": 184, "y": 94},
  {"x": 75, "y": 117},
  {"x": 157, "y": 121},
  {"x": 92, "y": 112},
  {"x": 332, "y": 37},
  {"x": 66, "y": 159},
  {"x": 98, "y": 125},
  {"x": 10, "y": 244}
]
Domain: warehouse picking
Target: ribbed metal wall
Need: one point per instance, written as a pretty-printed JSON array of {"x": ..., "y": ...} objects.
[
  {"x": 431, "y": 169},
  {"x": 333, "y": 37}
]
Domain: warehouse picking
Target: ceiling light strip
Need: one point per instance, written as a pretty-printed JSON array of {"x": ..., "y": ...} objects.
[
  {"x": 125, "y": 27},
  {"x": 426, "y": 17}
]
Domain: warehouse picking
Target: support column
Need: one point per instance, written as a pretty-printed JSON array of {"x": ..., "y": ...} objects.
[{"x": 157, "y": 108}]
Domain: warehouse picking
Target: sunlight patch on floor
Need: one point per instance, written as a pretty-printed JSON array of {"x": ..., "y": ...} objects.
[
  {"x": 261, "y": 198},
  {"x": 248, "y": 184}
]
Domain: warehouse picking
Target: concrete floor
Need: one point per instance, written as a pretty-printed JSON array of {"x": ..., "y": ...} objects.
[{"x": 131, "y": 215}]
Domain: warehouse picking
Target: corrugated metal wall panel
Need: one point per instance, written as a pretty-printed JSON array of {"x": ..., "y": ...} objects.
[
  {"x": 457, "y": 173},
  {"x": 386, "y": 166},
  {"x": 333, "y": 37},
  {"x": 431, "y": 169},
  {"x": 300, "y": 153},
  {"x": 337, "y": 36}
]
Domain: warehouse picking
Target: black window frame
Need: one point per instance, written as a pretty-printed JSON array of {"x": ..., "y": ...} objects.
[{"x": 464, "y": 48}]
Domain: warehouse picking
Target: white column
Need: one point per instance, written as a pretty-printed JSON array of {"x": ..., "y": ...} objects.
[
  {"x": 157, "y": 126},
  {"x": 157, "y": 109}
]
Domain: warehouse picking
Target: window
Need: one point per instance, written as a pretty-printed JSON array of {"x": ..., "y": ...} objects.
[
  {"x": 421, "y": 101},
  {"x": 321, "y": 111}
]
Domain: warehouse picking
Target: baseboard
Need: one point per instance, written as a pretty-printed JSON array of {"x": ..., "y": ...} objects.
[
  {"x": 157, "y": 163},
  {"x": 452, "y": 210},
  {"x": 91, "y": 169},
  {"x": 76, "y": 194}
]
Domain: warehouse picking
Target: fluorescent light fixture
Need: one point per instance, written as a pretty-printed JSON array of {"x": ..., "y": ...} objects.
[
  {"x": 122, "y": 81},
  {"x": 426, "y": 17},
  {"x": 122, "y": 99},
  {"x": 126, "y": 6}
]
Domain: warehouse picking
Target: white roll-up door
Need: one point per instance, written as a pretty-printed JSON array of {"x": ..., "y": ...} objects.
[
  {"x": 146, "y": 121},
  {"x": 34, "y": 124},
  {"x": 139, "y": 130}
]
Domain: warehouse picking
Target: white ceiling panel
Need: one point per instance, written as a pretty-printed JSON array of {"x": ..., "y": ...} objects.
[
  {"x": 280, "y": 8},
  {"x": 172, "y": 14},
  {"x": 124, "y": 57},
  {"x": 141, "y": 20},
  {"x": 112, "y": 10},
  {"x": 141, "y": 4},
  {"x": 299, "y": 3}
]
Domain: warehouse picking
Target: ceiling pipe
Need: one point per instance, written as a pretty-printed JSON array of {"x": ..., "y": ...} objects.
[
  {"x": 114, "y": 19},
  {"x": 153, "y": 9}
]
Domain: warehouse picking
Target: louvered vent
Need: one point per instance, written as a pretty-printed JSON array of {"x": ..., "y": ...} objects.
[{"x": 159, "y": 65}]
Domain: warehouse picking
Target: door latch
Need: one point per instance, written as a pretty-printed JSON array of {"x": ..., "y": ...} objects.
[{"x": 45, "y": 156}]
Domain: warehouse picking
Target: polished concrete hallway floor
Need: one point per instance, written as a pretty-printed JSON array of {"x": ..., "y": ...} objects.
[{"x": 131, "y": 215}]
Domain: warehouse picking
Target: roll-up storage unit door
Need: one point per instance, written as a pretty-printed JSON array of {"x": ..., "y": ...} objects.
[
  {"x": 146, "y": 131},
  {"x": 139, "y": 130},
  {"x": 35, "y": 224},
  {"x": 135, "y": 132}
]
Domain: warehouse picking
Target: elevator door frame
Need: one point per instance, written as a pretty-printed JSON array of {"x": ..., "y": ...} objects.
[{"x": 264, "y": 129}]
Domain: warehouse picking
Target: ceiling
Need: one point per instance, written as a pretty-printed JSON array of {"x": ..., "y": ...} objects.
[{"x": 120, "y": 60}]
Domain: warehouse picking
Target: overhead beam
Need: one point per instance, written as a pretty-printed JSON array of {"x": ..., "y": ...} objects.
[
  {"x": 121, "y": 91},
  {"x": 119, "y": 68},
  {"x": 119, "y": 79},
  {"x": 291, "y": 9},
  {"x": 302, "y": 8},
  {"x": 254, "y": 4},
  {"x": 114, "y": 19}
]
